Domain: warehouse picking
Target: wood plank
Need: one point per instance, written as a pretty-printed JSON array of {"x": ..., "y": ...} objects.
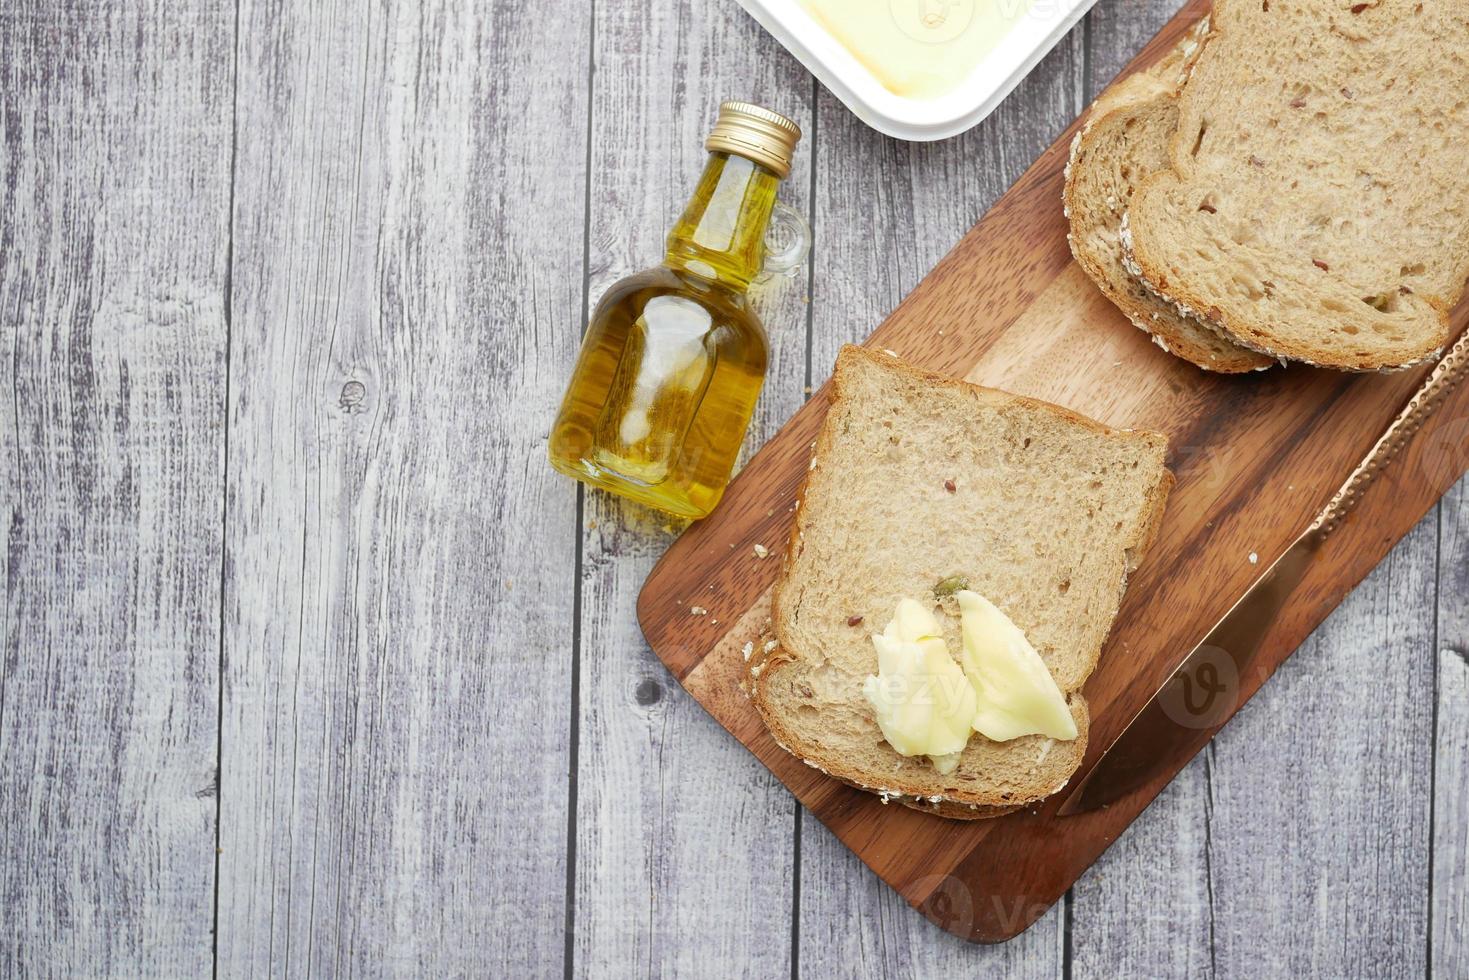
[
  {"x": 926, "y": 196},
  {"x": 399, "y": 604},
  {"x": 1167, "y": 867},
  {"x": 1448, "y": 953},
  {"x": 1143, "y": 909},
  {"x": 683, "y": 842},
  {"x": 1448, "y": 949},
  {"x": 115, "y": 122},
  {"x": 1320, "y": 791},
  {"x": 877, "y": 934},
  {"x": 116, "y": 125},
  {"x": 1175, "y": 868}
]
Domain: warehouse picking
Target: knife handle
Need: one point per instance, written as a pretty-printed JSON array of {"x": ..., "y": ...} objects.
[{"x": 1449, "y": 371}]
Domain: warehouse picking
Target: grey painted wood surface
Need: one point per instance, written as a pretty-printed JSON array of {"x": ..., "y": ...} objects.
[
  {"x": 400, "y": 585},
  {"x": 289, "y": 293},
  {"x": 114, "y": 254},
  {"x": 682, "y": 840},
  {"x": 1144, "y": 909},
  {"x": 1449, "y": 884}
]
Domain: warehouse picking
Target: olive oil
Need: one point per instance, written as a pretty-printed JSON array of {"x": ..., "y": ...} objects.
[{"x": 673, "y": 358}]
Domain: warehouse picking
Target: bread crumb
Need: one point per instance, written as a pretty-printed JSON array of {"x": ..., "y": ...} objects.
[
  {"x": 748, "y": 649},
  {"x": 698, "y": 611},
  {"x": 761, "y": 551},
  {"x": 1254, "y": 558},
  {"x": 889, "y": 352}
]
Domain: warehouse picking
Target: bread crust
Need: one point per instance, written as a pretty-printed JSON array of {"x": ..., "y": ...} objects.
[
  {"x": 949, "y": 810},
  {"x": 1188, "y": 302},
  {"x": 1112, "y": 117},
  {"x": 949, "y": 807},
  {"x": 769, "y": 652}
]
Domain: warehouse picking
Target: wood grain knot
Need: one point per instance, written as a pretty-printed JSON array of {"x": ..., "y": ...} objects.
[
  {"x": 354, "y": 393},
  {"x": 649, "y": 692}
]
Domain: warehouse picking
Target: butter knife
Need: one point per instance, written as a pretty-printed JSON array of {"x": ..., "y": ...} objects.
[{"x": 1203, "y": 691}]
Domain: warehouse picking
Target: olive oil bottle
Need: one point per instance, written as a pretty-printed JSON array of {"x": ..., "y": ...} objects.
[{"x": 673, "y": 358}]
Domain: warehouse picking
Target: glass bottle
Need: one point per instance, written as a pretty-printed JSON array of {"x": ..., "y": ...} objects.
[{"x": 673, "y": 358}]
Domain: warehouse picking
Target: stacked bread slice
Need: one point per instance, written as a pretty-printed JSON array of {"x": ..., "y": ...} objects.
[
  {"x": 1292, "y": 185},
  {"x": 1124, "y": 141}
]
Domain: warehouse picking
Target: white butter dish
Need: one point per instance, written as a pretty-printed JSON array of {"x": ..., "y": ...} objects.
[{"x": 1030, "y": 28}]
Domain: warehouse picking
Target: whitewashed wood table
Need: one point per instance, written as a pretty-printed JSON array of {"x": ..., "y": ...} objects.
[{"x": 310, "y": 664}]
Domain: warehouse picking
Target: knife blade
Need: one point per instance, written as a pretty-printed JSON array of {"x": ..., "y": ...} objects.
[{"x": 1203, "y": 691}]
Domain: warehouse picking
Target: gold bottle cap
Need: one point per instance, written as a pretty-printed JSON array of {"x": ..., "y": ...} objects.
[{"x": 756, "y": 133}]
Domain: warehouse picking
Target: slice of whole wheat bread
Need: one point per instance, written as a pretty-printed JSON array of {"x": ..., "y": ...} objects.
[
  {"x": 914, "y": 479},
  {"x": 1317, "y": 202},
  {"x": 1125, "y": 139}
]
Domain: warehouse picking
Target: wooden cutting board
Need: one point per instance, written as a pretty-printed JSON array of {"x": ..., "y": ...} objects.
[{"x": 1256, "y": 457}]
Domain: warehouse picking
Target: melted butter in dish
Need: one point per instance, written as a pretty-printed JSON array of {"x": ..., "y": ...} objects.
[{"x": 918, "y": 49}]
